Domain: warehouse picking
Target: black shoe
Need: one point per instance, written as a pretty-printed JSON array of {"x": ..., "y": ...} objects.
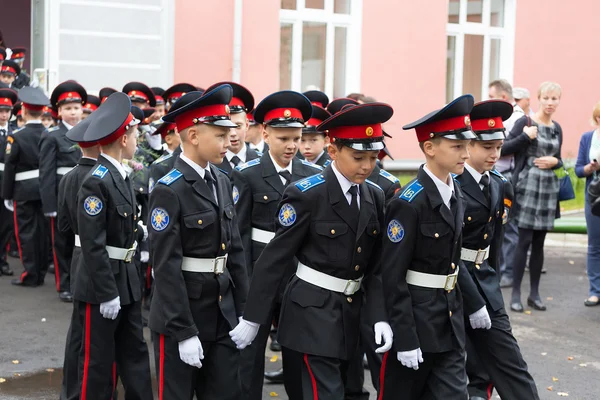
[
  {"x": 13, "y": 253},
  {"x": 536, "y": 304},
  {"x": 67, "y": 297},
  {"x": 5, "y": 270},
  {"x": 517, "y": 307},
  {"x": 17, "y": 282},
  {"x": 506, "y": 282},
  {"x": 275, "y": 346},
  {"x": 592, "y": 303},
  {"x": 275, "y": 376}
]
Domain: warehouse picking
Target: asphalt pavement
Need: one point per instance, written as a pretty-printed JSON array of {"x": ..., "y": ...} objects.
[{"x": 561, "y": 345}]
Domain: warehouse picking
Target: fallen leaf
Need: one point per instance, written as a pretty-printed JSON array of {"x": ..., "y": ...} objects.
[
  {"x": 273, "y": 394},
  {"x": 563, "y": 394},
  {"x": 274, "y": 358},
  {"x": 15, "y": 361},
  {"x": 549, "y": 298},
  {"x": 43, "y": 319},
  {"x": 2, "y": 380},
  {"x": 570, "y": 358},
  {"x": 528, "y": 312},
  {"x": 544, "y": 354},
  {"x": 583, "y": 365},
  {"x": 50, "y": 370},
  {"x": 571, "y": 262},
  {"x": 549, "y": 388},
  {"x": 554, "y": 379}
]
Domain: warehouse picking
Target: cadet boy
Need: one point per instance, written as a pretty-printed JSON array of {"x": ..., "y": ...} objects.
[
  {"x": 254, "y": 136},
  {"x": 314, "y": 143},
  {"x": 58, "y": 155},
  {"x": 8, "y": 98},
  {"x": 18, "y": 56},
  {"x": 9, "y": 70},
  {"x": 421, "y": 254},
  {"x": 21, "y": 189},
  {"x": 107, "y": 285},
  {"x": 484, "y": 192},
  {"x": 332, "y": 223},
  {"x": 258, "y": 188},
  {"x": 141, "y": 95},
  {"x": 200, "y": 278}
]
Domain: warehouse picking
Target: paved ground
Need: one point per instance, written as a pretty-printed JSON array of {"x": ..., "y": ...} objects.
[{"x": 562, "y": 345}]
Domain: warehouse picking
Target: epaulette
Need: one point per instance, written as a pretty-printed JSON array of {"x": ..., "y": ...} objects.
[
  {"x": 100, "y": 171},
  {"x": 411, "y": 191},
  {"x": 312, "y": 165},
  {"x": 373, "y": 184},
  {"x": 455, "y": 177},
  {"x": 327, "y": 162},
  {"x": 170, "y": 177},
  {"x": 163, "y": 158},
  {"x": 223, "y": 171},
  {"x": 249, "y": 164},
  {"x": 499, "y": 175},
  {"x": 17, "y": 130},
  {"x": 388, "y": 176},
  {"x": 259, "y": 153},
  {"x": 54, "y": 128},
  {"x": 310, "y": 182}
]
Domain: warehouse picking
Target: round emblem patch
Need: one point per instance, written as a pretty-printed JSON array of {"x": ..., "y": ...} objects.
[
  {"x": 236, "y": 195},
  {"x": 287, "y": 215},
  {"x": 395, "y": 231},
  {"x": 491, "y": 123},
  {"x": 92, "y": 205},
  {"x": 159, "y": 219}
]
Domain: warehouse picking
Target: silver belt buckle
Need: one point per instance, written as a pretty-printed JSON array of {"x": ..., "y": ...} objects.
[
  {"x": 219, "y": 264},
  {"x": 129, "y": 255},
  {"x": 451, "y": 282},
  {"x": 480, "y": 257},
  {"x": 351, "y": 287}
]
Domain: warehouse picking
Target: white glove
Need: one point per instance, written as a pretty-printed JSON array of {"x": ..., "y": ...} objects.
[
  {"x": 383, "y": 330},
  {"x": 110, "y": 309},
  {"x": 155, "y": 141},
  {"x": 143, "y": 227},
  {"x": 9, "y": 205},
  {"x": 480, "y": 319},
  {"x": 51, "y": 214},
  {"x": 144, "y": 256},
  {"x": 244, "y": 333},
  {"x": 191, "y": 351},
  {"x": 410, "y": 359}
]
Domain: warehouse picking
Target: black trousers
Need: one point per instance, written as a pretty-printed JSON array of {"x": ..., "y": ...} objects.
[
  {"x": 62, "y": 252},
  {"x": 6, "y": 232},
  {"x": 218, "y": 379},
  {"x": 252, "y": 365},
  {"x": 480, "y": 383},
  {"x": 31, "y": 230},
  {"x": 105, "y": 341},
  {"x": 441, "y": 376},
  {"x": 501, "y": 358}
]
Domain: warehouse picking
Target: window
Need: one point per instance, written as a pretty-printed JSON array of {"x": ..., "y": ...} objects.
[
  {"x": 315, "y": 50},
  {"x": 480, "y": 46}
]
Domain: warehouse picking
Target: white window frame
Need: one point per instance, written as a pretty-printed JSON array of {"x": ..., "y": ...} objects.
[
  {"x": 505, "y": 33},
  {"x": 353, "y": 23}
]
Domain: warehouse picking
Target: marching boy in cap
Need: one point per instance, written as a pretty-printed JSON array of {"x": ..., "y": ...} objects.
[
  {"x": 331, "y": 222},
  {"x": 421, "y": 257},
  {"x": 313, "y": 147}
]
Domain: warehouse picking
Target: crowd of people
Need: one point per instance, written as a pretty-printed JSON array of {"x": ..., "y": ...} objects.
[{"x": 218, "y": 222}]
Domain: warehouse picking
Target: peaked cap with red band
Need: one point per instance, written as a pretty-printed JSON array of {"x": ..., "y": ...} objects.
[
  {"x": 110, "y": 121},
  {"x": 105, "y": 92},
  {"x": 8, "y": 99},
  {"x": 175, "y": 92},
  {"x": 211, "y": 108},
  {"x": 10, "y": 67},
  {"x": 250, "y": 117},
  {"x": 18, "y": 53},
  {"x": 336, "y": 105},
  {"x": 92, "y": 104},
  {"x": 319, "y": 115},
  {"x": 242, "y": 100},
  {"x": 33, "y": 98},
  {"x": 142, "y": 114},
  {"x": 451, "y": 122},
  {"x": 317, "y": 98},
  {"x": 165, "y": 129},
  {"x": 487, "y": 119},
  {"x": 68, "y": 92},
  {"x": 139, "y": 92},
  {"x": 77, "y": 133},
  {"x": 284, "y": 109},
  {"x": 359, "y": 127}
]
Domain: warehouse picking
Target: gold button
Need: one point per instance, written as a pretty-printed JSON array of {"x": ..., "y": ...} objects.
[
  {"x": 349, "y": 299},
  {"x": 477, "y": 266},
  {"x": 497, "y": 213},
  {"x": 437, "y": 235},
  {"x": 135, "y": 230},
  {"x": 450, "y": 313},
  {"x": 266, "y": 197},
  {"x": 453, "y": 266},
  {"x": 223, "y": 246},
  {"x": 333, "y": 231},
  {"x": 490, "y": 219},
  {"x": 357, "y": 268},
  {"x": 220, "y": 297},
  {"x": 199, "y": 222},
  {"x": 358, "y": 250},
  {"x": 469, "y": 218},
  {"x": 134, "y": 217},
  {"x": 141, "y": 189},
  {"x": 125, "y": 214},
  {"x": 485, "y": 236},
  {"x": 375, "y": 232}
]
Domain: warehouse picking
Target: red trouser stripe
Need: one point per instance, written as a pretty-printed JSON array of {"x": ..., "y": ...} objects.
[
  {"x": 161, "y": 368},
  {"x": 56, "y": 269},
  {"x": 114, "y": 376},
  {"x": 149, "y": 277},
  {"x": 24, "y": 274},
  {"x": 312, "y": 379},
  {"x": 490, "y": 390},
  {"x": 86, "y": 343},
  {"x": 382, "y": 374}
]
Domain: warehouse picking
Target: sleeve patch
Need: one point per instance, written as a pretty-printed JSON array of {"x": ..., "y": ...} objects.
[
  {"x": 388, "y": 176},
  {"x": 395, "y": 231},
  {"x": 170, "y": 177},
  {"x": 287, "y": 215},
  {"x": 236, "y": 194},
  {"x": 310, "y": 182},
  {"x": 100, "y": 171},
  {"x": 411, "y": 191},
  {"x": 92, "y": 205},
  {"x": 159, "y": 219}
]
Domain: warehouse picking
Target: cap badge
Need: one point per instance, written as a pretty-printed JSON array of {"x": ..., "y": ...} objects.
[
  {"x": 431, "y": 134},
  {"x": 227, "y": 110},
  {"x": 491, "y": 123},
  {"x": 287, "y": 113},
  {"x": 467, "y": 121},
  {"x": 195, "y": 121},
  {"x": 133, "y": 92},
  {"x": 369, "y": 131}
]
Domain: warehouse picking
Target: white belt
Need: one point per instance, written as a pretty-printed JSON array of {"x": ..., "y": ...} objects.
[
  {"x": 432, "y": 281},
  {"x": 1, "y": 166},
  {"x": 312, "y": 276},
  {"x": 476, "y": 256},
  {"x": 23, "y": 176},
  {"x": 214, "y": 265},
  {"x": 63, "y": 170},
  {"x": 116, "y": 253},
  {"x": 259, "y": 235}
]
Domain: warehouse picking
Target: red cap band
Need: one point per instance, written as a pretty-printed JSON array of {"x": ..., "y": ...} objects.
[
  {"x": 282, "y": 113},
  {"x": 314, "y": 122},
  {"x": 167, "y": 130},
  {"x": 71, "y": 96},
  {"x": 250, "y": 117},
  {"x": 317, "y": 103},
  {"x": 17, "y": 56},
  {"x": 137, "y": 93},
  {"x": 90, "y": 106},
  {"x": 118, "y": 133},
  {"x": 87, "y": 145},
  {"x": 427, "y": 131},
  {"x": 236, "y": 102},
  {"x": 192, "y": 117},
  {"x": 5, "y": 101},
  {"x": 175, "y": 95},
  {"x": 487, "y": 124},
  {"x": 356, "y": 132},
  {"x": 159, "y": 100},
  {"x": 33, "y": 107},
  {"x": 6, "y": 68}
]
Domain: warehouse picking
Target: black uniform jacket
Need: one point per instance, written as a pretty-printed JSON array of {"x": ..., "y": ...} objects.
[
  {"x": 21, "y": 154},
  {"x": 56, "y": 151},
  {"x": 388, "y": 182},
  {"x": 106, "y": 217},
  {"x": 257, "y": 191},
  {"x": 423, "y": 235},
  {"x": 3, "y": 141},
  {"x": 317, "y": 225},
  {"x": 225, "y": 166},
  {"x": 186, "y": 221},
  {"x": 161, "y": 167}
]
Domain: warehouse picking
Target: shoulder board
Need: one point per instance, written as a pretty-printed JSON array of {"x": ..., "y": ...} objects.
[
  {"x": 310, "y": 182},
  {"x": 311, "y": 165},
  {"x": 170, "y": 177},
  {"x": 54, "y": 128},
  {"x": 163, "y": 158},
  {"x": 259, "y": 153},
  {"x": 374, "y": 184},
  {"x": 388, "y": 176},
  {"x": 411, "y": 191},
  {"x": 455, "y": 177},
  {"x": 17, "y": 130},
  {"x": 223, "y": 171},
  {"x": 249, "y": 164},
  {"x": 327, "y": 163},
  {"x": 100, "y": 171},
  {"x": 499, "y": 175}
]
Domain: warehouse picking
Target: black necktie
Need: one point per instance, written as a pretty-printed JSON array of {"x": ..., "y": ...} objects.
[
  {"x": 210, "y": 182},
  {"x": 485, "y": 181},
  {"x": 354, "y": 202},
  {"x": 286, "y": 175},
  {"x": 2, "y": 132},
  {"x": 235, "y": 160}
]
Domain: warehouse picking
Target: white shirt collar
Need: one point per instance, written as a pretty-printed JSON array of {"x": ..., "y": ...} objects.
[
  {"x": 33, "y": 121},
  {"x": 344, "y": 182},
  {"x": 314, "y": 160},
  {"x": 445, "y": 188},
  {"x": 476, "y": 175},
  {"x": 259, "y": 147},
  {"x": 278, "y": 168},
  {"x": 201, "y": 171},
  {"x": 117, "y": 165},
  {"x": 241, "y": 155},
  {"x": 4, "y": 126},
  {"x": 69, "y": 127}
]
